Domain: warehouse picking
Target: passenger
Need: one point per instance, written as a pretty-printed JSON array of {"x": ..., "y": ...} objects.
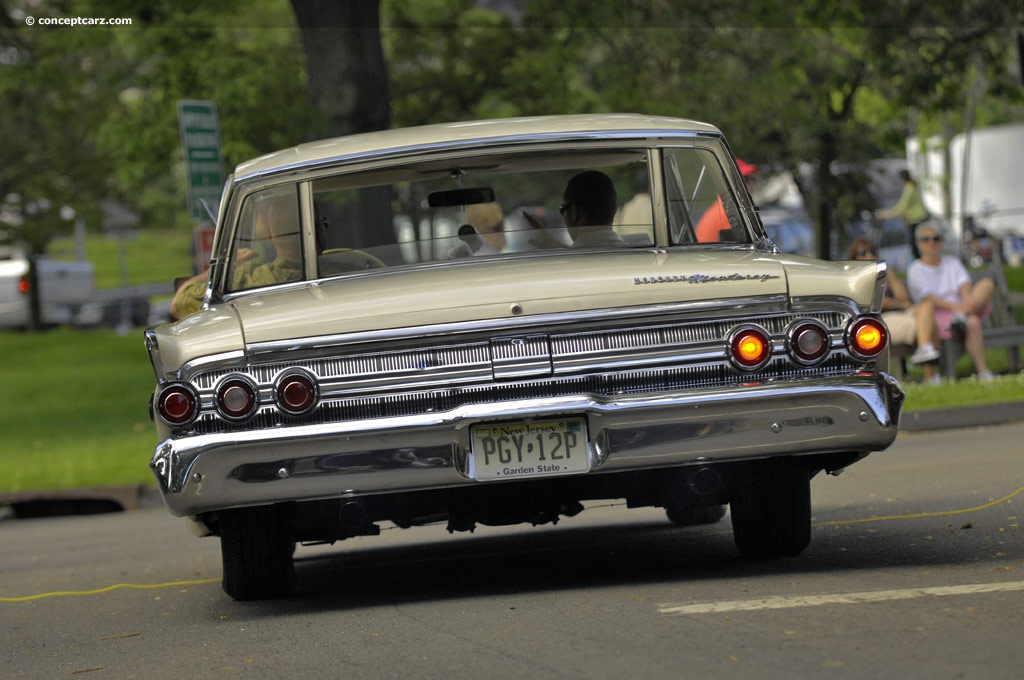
[
  {"x": 909, "y": 324},
  {"x": 960, "y": 305},
  {"x": 637, "y": 214},
  {"x": 588, "y": 207},
  {"x": 277, "y": 218},
  {"x": 489, "y": 222}
]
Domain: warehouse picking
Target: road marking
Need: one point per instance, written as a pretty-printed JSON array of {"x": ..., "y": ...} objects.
[{"x": 838, "y": 598}]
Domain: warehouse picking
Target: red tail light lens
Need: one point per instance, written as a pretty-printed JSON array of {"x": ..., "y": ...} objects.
[
  {"x": 177, "y": 404},
  {"x": 297, "y": 393},
  {"x": 868, "y": 337},
  {"x": 750, "y": 348},
  {"x": 236, "y": 398},
  {"x": 23, "y": 285},
  {"x": 808, "y": 343}
]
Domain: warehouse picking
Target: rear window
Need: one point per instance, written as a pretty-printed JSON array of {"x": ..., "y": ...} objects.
[{"x": 499, "y": 204}]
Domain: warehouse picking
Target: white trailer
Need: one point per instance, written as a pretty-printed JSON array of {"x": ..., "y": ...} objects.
[{"x": 983, "y": 172}]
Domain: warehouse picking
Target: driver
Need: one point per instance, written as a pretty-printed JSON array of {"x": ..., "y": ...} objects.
[{"x": 589, "y": 202}]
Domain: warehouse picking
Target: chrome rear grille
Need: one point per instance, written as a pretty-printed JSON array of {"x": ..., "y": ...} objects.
[{"x": 640, "y": 359}]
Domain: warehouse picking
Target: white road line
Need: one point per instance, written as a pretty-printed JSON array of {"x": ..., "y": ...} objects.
[{"x": 838, "y": 598}]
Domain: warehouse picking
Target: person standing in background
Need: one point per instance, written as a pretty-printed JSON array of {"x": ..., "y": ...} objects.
[{"x": 910, "y": 207}]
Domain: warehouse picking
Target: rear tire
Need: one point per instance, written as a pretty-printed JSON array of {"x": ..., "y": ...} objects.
[
  {"x": 256, "y": 546},
  {"x": 771, "y": 513}
]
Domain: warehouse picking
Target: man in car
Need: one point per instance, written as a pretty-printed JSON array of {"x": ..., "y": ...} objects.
[{"x": 588, "y": 207}]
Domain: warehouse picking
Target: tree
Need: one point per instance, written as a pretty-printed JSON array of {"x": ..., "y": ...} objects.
[
  {"x": 787, "y": 82},
  {"x": 52, "y": 86},
  {"x": 348, "y": 87},
  {"x": 348, "y": 79},
  {"x": 250, "y": 66}
]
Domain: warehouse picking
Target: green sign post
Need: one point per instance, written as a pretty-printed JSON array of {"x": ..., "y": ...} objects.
[{"x": 200, "y": 138}]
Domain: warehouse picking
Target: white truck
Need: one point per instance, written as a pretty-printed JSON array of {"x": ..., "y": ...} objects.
[
  {"x": 66, "y": 290},
  {"x": 977, "y": 176}
]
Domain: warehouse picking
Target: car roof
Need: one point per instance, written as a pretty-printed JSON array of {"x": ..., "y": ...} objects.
[{"x": 502, "y": 130}]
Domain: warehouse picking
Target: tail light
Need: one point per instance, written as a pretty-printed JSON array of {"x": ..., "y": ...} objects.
[
  {"x": 23, "y": 285},
  {"x": 867, "y": 337},
  {"x": 177, "y": 404},
  {"x": 236, "y": 398},
  {"x": 808, "y": 342},
  {"x": 750, "y": 348},
  {"x": 296, "y": 393}
]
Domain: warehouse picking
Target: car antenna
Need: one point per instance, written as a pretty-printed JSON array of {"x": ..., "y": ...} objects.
[{"x": 209, "y": 210}]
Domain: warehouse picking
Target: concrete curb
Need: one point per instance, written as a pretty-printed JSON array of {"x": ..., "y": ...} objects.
[
  {"x": 87, "y": 501},
  {"x": 968, "y": 416}
]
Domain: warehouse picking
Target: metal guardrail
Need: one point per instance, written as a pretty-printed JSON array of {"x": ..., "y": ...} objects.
[{"x": 146, "y": 290}]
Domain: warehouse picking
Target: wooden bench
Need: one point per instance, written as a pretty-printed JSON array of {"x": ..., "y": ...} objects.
[
  {"x": 1000, "y": 329},
  {"x": 899, "y": 359}
]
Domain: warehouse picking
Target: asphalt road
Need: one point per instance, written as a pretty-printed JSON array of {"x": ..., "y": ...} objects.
[{"x": 915, "y": 570}]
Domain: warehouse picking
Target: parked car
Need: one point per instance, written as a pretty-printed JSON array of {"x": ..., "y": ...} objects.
[
  {"x": 65, "y": 289},
  {"x": 790, "y": 229},
  {"x": 334, "y": 379}
]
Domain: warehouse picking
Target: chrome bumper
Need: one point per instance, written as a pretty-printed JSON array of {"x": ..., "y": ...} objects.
[{"x": 429, "y": 451}]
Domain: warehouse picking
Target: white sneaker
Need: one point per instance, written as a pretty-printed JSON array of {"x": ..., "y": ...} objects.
[
  {"x": 986, "y": 376},
  {"x": 924, "y": 354}
]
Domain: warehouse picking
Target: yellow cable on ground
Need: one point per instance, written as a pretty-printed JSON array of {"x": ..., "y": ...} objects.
[
  {"x": 173, "y": 584},
  {"x": 134, "y": 586},
  {"x": 921, "y": 514}
]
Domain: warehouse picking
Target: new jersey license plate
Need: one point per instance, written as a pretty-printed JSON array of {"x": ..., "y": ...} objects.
[{"x": 528, "y": 449}]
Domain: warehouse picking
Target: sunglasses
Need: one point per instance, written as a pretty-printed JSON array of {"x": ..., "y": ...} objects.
[
  {"x": 930, "y": 239},
  {"x": 562, "y": 209},
  {"x": 861, "y": 252}
]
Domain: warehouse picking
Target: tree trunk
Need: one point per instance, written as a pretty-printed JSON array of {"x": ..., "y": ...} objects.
[
  {"x": 826, "y": 187},
  {"x": 35, "y": 307},
  {"x": 348, "y": 86},
  {"x": 347, "y": 76}
]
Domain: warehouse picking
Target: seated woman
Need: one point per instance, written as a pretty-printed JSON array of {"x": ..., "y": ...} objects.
[
  {"x": 909, "y": 324},
  {"x": 960, "y": 304}
]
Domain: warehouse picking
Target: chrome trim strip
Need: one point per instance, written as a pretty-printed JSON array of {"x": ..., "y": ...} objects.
[
  {"x": 232, "y": 359},
  {"x": 153, "y": 350},
  {"x": 880, "y": 275},
  {"x": 518, "y": 357},
  {"x": 428, "y": 450},
  {"x": 626, "y": 135},
  {"x": 747, "y": 306}
]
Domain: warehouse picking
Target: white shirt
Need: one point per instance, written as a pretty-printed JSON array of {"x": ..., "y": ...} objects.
[
  {"x": 942, "y": 280},
  {"x": 595, "y": 237}
]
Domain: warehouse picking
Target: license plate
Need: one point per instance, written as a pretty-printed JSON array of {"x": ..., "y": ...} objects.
[{"x": 528, "y": 449}]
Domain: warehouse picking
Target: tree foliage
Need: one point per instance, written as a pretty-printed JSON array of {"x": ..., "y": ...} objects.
[{"x": 90, "y": 113}]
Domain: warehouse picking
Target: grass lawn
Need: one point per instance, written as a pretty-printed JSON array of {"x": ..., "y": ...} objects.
[
  {"x": 74, "y": 410},
  {"x": 74, "y": 407}
]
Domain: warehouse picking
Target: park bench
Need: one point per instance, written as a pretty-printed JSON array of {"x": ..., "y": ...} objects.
[{"x": 1001, "y": 328}]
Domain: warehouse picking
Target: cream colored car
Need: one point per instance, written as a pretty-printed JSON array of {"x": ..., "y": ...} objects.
[{"x": 388, "y": 337}]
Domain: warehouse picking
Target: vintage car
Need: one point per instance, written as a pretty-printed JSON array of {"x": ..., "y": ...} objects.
[{"x": 369, "y": 348}]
